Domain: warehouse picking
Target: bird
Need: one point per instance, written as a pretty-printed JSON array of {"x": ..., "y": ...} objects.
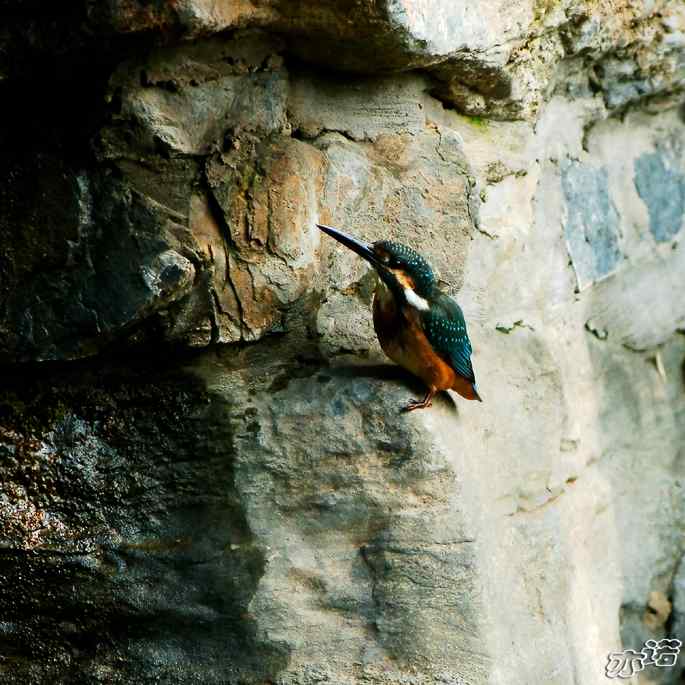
[{"x": 418, "y": 326}]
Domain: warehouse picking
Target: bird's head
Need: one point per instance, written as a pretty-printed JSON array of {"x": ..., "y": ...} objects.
[{"x": 402, "y": 269}]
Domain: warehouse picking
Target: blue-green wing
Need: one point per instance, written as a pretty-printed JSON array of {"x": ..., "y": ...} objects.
[{"x": 445, "y": 329}]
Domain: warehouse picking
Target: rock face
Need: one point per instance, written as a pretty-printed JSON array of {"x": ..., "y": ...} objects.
[{"x": 204, "y": 474}]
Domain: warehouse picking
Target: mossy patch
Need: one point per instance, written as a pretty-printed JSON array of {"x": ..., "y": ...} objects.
[{"x": 478, "y": 122}]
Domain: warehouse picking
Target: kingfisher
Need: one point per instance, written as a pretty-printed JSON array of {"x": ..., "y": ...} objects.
[{"x": 418, "y": 326}]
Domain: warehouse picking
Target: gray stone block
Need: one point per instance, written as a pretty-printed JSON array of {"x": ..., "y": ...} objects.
[
  {"x": 660, "y": 182},
  {"x": 591, "y": 226}
]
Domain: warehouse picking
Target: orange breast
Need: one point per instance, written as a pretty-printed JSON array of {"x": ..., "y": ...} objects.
[{"x": 402, "y": 338}]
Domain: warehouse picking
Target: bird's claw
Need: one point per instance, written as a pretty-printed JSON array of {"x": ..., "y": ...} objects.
[{"x": 417, "y": 404}]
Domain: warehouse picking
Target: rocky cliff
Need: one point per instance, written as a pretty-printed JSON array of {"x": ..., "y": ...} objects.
[{"x": 204, "y": 476}]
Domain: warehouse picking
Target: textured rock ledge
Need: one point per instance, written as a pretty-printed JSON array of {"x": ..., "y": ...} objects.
[{"x": 265, "y": 516}]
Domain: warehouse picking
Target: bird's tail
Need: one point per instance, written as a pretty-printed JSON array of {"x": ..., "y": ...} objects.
[{"x": 475, "y": 392}]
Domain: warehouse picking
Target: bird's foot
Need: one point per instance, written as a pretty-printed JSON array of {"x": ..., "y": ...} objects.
[
  {"x": 426, "y": 402},
  {"x": 416, "y": 404}
]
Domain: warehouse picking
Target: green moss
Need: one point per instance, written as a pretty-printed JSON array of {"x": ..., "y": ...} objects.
[
  {"x": 477, "y": 121},
  {"x": 247, "y": 178}
]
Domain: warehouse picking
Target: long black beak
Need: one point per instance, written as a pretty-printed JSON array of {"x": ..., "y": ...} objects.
[{"x": 364, "y": 250}]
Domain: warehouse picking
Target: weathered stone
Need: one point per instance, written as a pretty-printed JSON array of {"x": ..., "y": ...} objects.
[
  {"x": 499, "y": 59},
  {"x": 185, "y": 100},
  {"x": 116, "y": 493},
  {"x": 638, "y": 309},
  {"x": 516, "y": 91},
  {"x": 359, "y": 109},
  {"x": 372, "y": 558},
  {"x": 101, "y": 281},
  {"x": 660, "y": 182},
  {"x": 268, "y": 196},
  {"x": 647, "y": 57},
  {"x": 395, "y": 33},
  {"x": 592, "y": 223}
]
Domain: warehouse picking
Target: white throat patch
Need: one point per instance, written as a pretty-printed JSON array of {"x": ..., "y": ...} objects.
[{"x": 415, "y": 300}]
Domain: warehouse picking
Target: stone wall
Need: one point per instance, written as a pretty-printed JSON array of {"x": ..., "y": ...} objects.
[{"x": 204, "y": 475}]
